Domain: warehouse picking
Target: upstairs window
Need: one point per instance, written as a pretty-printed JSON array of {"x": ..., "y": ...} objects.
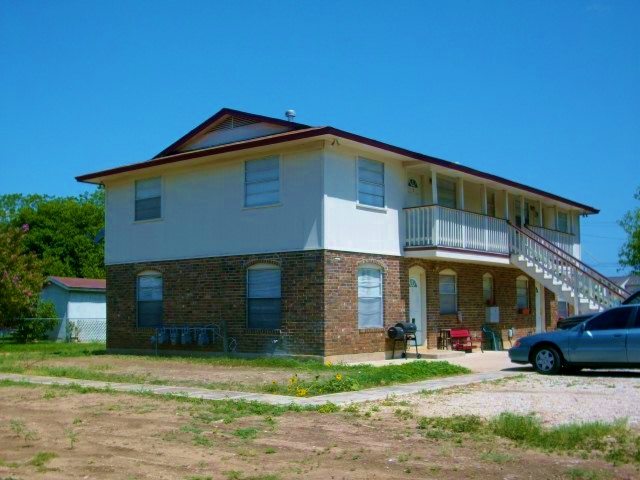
[
  {"x": 522, "y": 292},
  {"x": 148, "y": 199},
  {"x": 563, "y": 222},
  {"x": 487, "y": 290},
  {"x": 262, "y": 182},
  {"x": 370, "y": 300},
  {"x": 448, "y": 287},
  {"x": 446, "y": 192},
  {"x": 370, "y": 182},
  {"x": 149, "y": 301},
  {"x": 264, "y": 297}
]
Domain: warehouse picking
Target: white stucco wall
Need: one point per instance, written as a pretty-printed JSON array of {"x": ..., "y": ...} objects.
[
  {"x": 350, "y": 227},
  {"x": 203, "y": 213}
]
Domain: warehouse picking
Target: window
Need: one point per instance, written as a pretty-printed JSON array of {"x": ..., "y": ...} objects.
[
  {"x": 370, "y": 182},
  {"x": 522, "y": 292},
  {"x": 519, "y": 219},
  {"x": 264, "y": 298},
  {"x": 262, "y": 182},
  {"x": 149, "y": 292},
  {"x": 563, "y": 222},
  {"x": 448, "y": 292},
  {"x": 148, "y": 199},
  {"x": 487, "y": 290},
  {"x": 614, "y": 319},
  {"x": 491, "y": 204},
  {"x": 446, "y": 192},
  {"x": 563, "y": 309},
  {"x": 370, "y": 304}
]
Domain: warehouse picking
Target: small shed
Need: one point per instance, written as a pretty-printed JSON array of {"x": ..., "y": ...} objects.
[{"x": 81, "y": 307}]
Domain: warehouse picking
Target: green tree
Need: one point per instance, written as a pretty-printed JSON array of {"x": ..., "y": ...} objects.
[
  {"x": 630, "y": 251},
  {"x": 21, "y": 278},
  {"x": 62, "y": 231}
]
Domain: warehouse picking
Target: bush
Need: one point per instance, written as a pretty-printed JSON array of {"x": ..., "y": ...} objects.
[{"x": 33, "y": 329}]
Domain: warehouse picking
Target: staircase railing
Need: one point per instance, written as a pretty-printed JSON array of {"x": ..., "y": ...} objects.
[{"x": 561, "y": 266}]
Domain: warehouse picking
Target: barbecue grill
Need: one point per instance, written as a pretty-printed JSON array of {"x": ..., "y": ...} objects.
[{"x": 404, "y": 332}]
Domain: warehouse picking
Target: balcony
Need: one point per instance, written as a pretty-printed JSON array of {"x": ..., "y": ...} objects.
[{"x": 434, "y": 227}]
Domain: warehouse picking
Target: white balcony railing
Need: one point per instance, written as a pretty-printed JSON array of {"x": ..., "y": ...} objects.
[
  {"x": 565, "y": 241},
  {"x": 436, "y": 226}
]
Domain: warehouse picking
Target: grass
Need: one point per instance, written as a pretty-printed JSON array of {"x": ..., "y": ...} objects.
[
  {"x": 301, "y": 378},
  {"x": 614, "y": 441}
]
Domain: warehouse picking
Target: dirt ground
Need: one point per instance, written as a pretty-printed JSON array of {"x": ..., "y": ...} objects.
[{"x": 122, "y": 436}]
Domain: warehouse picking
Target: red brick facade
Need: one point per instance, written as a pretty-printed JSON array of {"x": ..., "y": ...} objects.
[{"x": 319, "y": 301}]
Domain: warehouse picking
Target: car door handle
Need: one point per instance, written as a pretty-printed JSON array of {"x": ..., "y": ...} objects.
[{"x": 618, "y": 335}]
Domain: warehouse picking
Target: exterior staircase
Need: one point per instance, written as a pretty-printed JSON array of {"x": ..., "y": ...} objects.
[{"x": 566, "y": 276}]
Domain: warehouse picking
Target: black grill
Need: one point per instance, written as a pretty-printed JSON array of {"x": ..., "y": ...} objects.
[{"x": 404, "y": 332}]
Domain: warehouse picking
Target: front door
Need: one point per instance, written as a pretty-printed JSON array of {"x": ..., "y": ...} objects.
[{"x": 417, "y": 304}]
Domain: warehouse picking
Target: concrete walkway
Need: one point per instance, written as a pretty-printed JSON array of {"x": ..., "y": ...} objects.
[{"x": 486, "y": 367}]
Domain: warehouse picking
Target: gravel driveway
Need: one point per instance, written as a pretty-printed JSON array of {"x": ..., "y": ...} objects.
[{"x": 592, "y": 395}]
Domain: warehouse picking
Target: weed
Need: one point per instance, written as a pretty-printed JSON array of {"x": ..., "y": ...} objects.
[
  {"x": 40, "y": 459},
  {"x": 72, "y": 436},
  {"x": 20, "y": 429},
  {"x": 202, "y": 441},
  {"x": 245, "y": 433},
  {"x": 582, "y": 474},
  {"x": 76, "y": 421},
  {"x": 497, "y": 457},
  {"x": 270, "y": 451}
]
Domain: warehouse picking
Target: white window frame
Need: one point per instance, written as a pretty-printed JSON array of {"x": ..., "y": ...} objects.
[
  {"x": 275, "y": 296},
  {"x": 147, "y": 295},
  {"x": 365, "y": 319},
  {"x": 447, "y": 273},
  {"x": 252, "y": 199},
  {"x": 522, "y": 292},
  {"x": 370, "y": 183},
  {"x": 141, "y": 196}
]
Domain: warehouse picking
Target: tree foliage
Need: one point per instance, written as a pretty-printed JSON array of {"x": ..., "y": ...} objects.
[
  {"x": 62, "y": 231},
  {"x": 21, "y": 278},
  {"x": 630, "y": 251}
]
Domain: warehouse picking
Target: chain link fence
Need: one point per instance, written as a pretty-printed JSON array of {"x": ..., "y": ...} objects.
[{"x": 85, "y": 329}]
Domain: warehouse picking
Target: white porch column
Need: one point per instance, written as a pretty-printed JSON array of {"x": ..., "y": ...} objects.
[
  {"x": 506, "y": 205},
  {"x": 434, "y": 186},
  {"x": 460, "y": 202},
  {"x": 485, "y": 206},
  {"x": 485, "y": 211},
  {"x": 436, "y": 210},
  {"x": 540, "y": 224}
]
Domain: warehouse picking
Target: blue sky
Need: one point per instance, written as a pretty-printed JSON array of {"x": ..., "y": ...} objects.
[{"x": 544, "y": 93}]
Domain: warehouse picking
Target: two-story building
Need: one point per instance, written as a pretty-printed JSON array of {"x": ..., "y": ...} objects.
[{"x": 316, "y": 240}]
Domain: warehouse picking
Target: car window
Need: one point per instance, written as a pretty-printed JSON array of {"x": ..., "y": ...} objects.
[
  {"x": 613, "y": 319},
  {"x": 633, "y": 299}
]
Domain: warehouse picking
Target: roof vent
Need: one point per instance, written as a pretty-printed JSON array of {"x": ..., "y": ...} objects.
[{"x": 290, "y": 114}]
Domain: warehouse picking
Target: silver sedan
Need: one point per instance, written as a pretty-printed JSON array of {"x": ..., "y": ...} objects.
[{"x": 610, "y": 339}]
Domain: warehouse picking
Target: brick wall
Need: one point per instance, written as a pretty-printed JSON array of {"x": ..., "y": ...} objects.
[
  {"x": 319, "y": 300},
  {"x": 342, "y": 336},
  {"x": 212, "y": 290}
]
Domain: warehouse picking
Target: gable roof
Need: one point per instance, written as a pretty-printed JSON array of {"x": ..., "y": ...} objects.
[
  {"x": 219, "y": 119},
  {"x": 296, "y": 131},
  {"x": 88, "y": 284}
]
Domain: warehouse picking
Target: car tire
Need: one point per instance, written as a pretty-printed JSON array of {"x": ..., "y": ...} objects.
[{"x": 546, "y": 360}]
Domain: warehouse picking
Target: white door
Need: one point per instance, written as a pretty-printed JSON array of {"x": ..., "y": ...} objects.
[{"x": 417, "y": 304}]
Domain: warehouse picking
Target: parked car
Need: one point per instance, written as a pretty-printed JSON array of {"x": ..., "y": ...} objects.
[
  {"x": 609, "y": 339},
  {"x": 572, "y": 321}
]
